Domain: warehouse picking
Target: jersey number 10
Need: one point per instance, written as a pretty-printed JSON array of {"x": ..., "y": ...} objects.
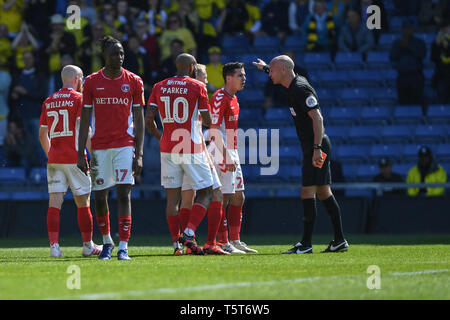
[
  {"x": 65, "y": 118},
  {"x": 175, "y": 116}
]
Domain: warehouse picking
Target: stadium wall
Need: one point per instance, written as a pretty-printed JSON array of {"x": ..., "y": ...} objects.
[{"x": 385, "y": 215}]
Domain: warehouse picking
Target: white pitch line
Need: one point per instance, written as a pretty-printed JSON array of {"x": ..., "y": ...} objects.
[{"x": 219, "y": 286}]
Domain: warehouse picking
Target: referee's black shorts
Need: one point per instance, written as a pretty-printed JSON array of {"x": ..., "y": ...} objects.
[{"x": 311, "y": 175}]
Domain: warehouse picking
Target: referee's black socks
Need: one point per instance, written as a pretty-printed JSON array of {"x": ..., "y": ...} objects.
[
  {"x": 334, "y": 212},
  {"x": 309, "y": 217}
]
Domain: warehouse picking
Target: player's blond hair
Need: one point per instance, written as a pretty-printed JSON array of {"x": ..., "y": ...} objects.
[
  {"x": 200, "y": 68},
  {"x": 69, "y": 73}
]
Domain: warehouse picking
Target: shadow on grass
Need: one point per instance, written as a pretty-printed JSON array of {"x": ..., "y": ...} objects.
[{"x": 158, "y": 240}]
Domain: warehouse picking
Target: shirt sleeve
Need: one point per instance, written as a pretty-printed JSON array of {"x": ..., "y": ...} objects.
[
  {"x": 43, "y": 117},
  {"x": 152, "y": 100},
  {"x": 203, "y": 100},
  {"x": 307, "y": 99},
  {"x": 87, "y": 101},
  {"x": 218, "y": 106},
  {"x": 138, "y": 95}
]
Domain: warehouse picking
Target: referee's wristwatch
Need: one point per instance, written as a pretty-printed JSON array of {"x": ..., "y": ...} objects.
[
  {"x": 317, "y": 146},
  {"x": 266, "y": 68}
]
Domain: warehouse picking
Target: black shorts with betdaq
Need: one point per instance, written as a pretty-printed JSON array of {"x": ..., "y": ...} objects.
[{"x": 311, "y": 175}]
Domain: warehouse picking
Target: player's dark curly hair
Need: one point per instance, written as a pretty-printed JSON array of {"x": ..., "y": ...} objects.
[
  {"x": 107, "y": 41},
  {"x": 228, "y": 68}
]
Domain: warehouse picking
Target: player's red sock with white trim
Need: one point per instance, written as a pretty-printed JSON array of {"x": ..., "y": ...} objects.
[
  {"x": 222, "y": 233},
  {"x": 184, "y": 217},
  {"x": 174, "y": 226},
  {"x": 85, "y": 223},
  {"x": 198, "y": 212},
  {"x": 124, "y": 228},
  {"x": 214, "y": 219},
  {"x": 234, "y": 221},
  {"x": 53, "y": 224},
  {"x": 103, "y": 225}
]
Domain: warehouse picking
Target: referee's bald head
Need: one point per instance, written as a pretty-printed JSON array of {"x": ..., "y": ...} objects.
[{"x": 284, "y": 61}]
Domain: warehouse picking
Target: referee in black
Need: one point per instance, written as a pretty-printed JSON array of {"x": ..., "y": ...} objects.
[{"x": 316, "y": 175}]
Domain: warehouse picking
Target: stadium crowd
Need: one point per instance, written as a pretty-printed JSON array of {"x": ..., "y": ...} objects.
[{"x": 35, "y": 44}]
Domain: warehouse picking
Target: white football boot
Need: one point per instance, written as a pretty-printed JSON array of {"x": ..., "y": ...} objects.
[
  {"x": 228, "y": 247},
  {"x": 242, "y": 246},
  {"x": 91, "y": 249},
  {"x": 55, "y": 251}
]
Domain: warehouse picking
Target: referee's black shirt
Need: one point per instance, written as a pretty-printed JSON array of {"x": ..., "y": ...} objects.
[{"x": 302, "y": 98}]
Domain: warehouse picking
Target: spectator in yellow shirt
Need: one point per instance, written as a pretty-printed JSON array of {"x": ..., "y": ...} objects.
[
  {"x": 11, "y": 14},
  {"x": 214, "y": 70},
  {"x": 427, "y": 170},
  {"x": 176, "y": 31}
]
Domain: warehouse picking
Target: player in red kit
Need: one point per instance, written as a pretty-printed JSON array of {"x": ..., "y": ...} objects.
[
  {"x": 179, "y": 100},
  {"x": 223, "y": 133},
  {"x": 58, "y": 132},
  {"x": 114, "y": 97}
]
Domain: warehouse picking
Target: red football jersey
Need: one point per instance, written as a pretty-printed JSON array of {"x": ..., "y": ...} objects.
[
  {"x": 59, "y": 113},
  {"x": 112, "y": 101},
  {"x": 179, "y": 101},
  {"x": 224, "y": 115}
]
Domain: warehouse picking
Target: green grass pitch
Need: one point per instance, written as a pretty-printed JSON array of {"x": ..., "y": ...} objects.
[{"x": 410, "y": 267}]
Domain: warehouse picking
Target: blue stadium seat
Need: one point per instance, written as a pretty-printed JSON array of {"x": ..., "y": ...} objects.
[
  {"x": 249, "y": 117},
  {"x": 334, "y": 78},
  {"x": 257, "y": 193},
  {"x": 327, "y": 96},
  {"x": 288, "y": 135},
  {"x": 429, "y": 134},
  {"x": 38, "y": 175},
  {"x": 427, "y": 37},
  {"x": 13, "y": 175},
  {"x": 366, "y": 172},
  {"x": 259, "y": 79},
  {"x": 287, "y": 193},
  {"x": 358, "y": 193},
  {"x": 396, "y": 134},
  {"x": 403, "y": 168},
  {"x": 354, "y": 97},
  {"x": 376, "y": 115},
  {"x": 364, "y": 134},
  {"x": 5, "y": 196},
  {"x": 443, "y": 153},
  {"x": 384, "y": 96},
  {"x": 438, "y": 114},
  {"x": 365, "y": 78},
  {"x": 314, "y": 78},
  {"x": 395, "y": 23},
  {"x": 348, "y": 60},
  {"x": 343, "y": 115},
  {"x": 317, "y": 60},
  {"x": 294, "y": 173},
  {"x": 378, "y": 60},
  {"x": 408, "y": 114},
  {"x": 410, "y": 152},
  {"x": 278, "y": 116},
  {"x": 349, "y": 171},
  {"x": 235, "y": 44},
  {"x": 294, "y": 43},
  {"x": 290, "y": 154},
  {"x": 389, "y": 77},
  {"x": 378, "y": 151},
  {"x": 337, "y": 134},
  {"x": 354, "y": 153},
  {"x": 266, "y": 44},
  {"x": 29, "y": 195},
  {"x": 386, "y": 40},
  {"x": 252, "y": 98}
]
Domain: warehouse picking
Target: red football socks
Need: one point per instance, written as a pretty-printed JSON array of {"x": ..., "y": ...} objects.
[
  {"x": 124, "y": 228},
  {"x": 53, "y": 224},
  {"x": 198, "y": 212},
  {"x": 234, "y": 221},
  {"x": 103, "y": 224},
  {"x": 174, "y": 227},
  {"x": 85, "y": 223},
  {"x": 214, "y": 219},
  {"x": 184, "y": 217}
]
